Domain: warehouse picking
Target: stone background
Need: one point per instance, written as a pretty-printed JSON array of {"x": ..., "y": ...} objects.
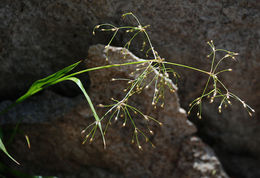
[
  {"x": 56, "y": 138},
  {"x": 39, "y": 37}
]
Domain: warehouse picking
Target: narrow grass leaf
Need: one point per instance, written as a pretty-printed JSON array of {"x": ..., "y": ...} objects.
[
  {"x": 78, "y": 82},
  {"x": 41, "y": 84},
  {"x": 28, "y": 141},
  {"x": 2, "y": 147},
  {"x": 47, "y": 81},
  {"x": 36, "y": 87}
]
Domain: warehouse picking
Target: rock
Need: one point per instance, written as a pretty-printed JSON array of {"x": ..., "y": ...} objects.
[
  {"x": 179, "y": 32},
  {"x": 56, "y": 145},
  {"x": 40, "y": 37}
]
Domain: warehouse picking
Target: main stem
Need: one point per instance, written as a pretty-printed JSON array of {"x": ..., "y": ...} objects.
[{"x": 188, "y": 67}]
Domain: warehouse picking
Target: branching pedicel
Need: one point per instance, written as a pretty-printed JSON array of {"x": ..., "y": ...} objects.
[{"x": 157, "y": 67}]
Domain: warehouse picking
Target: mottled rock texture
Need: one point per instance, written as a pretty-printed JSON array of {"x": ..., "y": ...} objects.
[
  {"x": 56, "y": 142},
  {"x": 39, "y": 37}
]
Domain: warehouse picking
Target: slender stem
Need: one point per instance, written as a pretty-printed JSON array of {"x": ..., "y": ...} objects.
[
  {"x": 206, "y": 86},
  {"x": 104, "y": 24},
  {"x": 125, "y": 27},
  {"x": 128, "y": 43},
  {"x": 219, "y": 63},
  {"x": 188, "y": 67},
  {"x": 113, "y": 37},
  {"x": 222, "y": 50},
  {"x": 136, "y": 19},
  {"x": 150, "y": 43},
  {"x": 108, "y": 66},
  {"x": 213, "y": 60},
  {"x": 226, "y": 70},
  {"x": 222, "y": 85}
]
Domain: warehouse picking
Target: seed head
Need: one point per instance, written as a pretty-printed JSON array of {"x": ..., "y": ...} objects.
[
  {"x": 162, "y": 105},
  {"x": 83, "y": 131},
  {"x": 114, "y": 29},
  {"x": 219, "y": 109},
  {"x": 151, "y": 132},
  {"x": 244, "y": 104},
  {"x": 227, "y": 95},
  {"x": 101, "y": 105},
  {"x": 146, "y": 117}
]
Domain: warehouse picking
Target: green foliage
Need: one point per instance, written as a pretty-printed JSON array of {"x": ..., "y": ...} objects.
[
  {"x": 46, "y": 82},
  {"x": 35, "y": 88},
  {"x": 98, "y": 123},
  {"x": 156, "y": 67},
  {"x": 2, "y": 147}
]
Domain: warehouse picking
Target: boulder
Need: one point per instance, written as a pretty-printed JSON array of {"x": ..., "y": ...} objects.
[
  {"x": 38, "y": 38},
  {"x": 56, "y": 143},
  {"x": 179, "y": 32}
]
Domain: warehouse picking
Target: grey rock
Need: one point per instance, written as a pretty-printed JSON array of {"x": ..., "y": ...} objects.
[
  {"x": 56, "y": 145},
  {"x": 50, "y": 106},
  {"x": 179, "y": 30},
  {"x": 38, "y": 38}
]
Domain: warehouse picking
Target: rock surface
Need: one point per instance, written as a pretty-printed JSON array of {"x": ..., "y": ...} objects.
[
  {"x": 38, "y": 38},
  {"x": 179, "y": 30},
  {"x": 56, "y": 143}
]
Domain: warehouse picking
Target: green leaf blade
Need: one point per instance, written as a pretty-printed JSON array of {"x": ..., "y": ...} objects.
[
  {"x": 79, "y": 83},
  {"x": 47, "y": 81},
  {"x": 2, "y": 147}
]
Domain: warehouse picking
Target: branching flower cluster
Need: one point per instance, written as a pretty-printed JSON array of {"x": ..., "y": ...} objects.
[
  {"x": 156, "y": 67},
  {"x": 219, "y": 90},
  {"x": 152, "y": 71}
]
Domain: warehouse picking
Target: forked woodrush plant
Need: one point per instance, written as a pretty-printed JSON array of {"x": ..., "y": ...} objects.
[
  {"x": 153, "y": 71},
  {"x": 158, "y": 64}
]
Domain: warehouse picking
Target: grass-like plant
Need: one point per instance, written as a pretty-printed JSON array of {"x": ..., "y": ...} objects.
[{"x": 151, "y": 71}]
